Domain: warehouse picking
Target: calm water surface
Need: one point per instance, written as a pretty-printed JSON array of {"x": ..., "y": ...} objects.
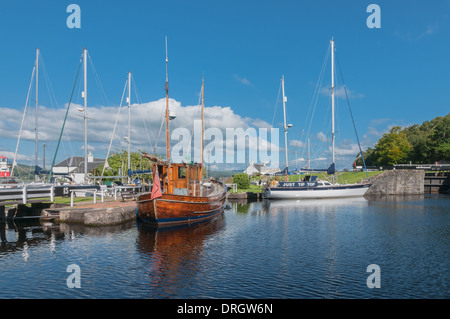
[{"x": 273, "y": 249}]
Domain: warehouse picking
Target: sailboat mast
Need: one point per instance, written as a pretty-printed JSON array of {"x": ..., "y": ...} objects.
[
  {"x": 85, "y": 114},
  {"x": 285, "y": 125},
  {"x": 308, "y": 164},
  {"x": 129, "y": 124},
  {"x": 203, "y": 126},
  {"x": 167, "y": 108},
  {"x": 332, "y": 104},
  {"x": 36, "y": 115}
]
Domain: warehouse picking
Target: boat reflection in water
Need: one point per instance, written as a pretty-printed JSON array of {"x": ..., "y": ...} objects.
[
  {"x": 323, "y": 205},
  {"x": 174, "y": 253}
]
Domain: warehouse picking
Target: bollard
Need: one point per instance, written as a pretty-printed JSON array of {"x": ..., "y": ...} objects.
[
  {"x": 24, "y": 194},
  {"x": 52, "y": 193},
  {"x": 103, "y": 195},
  {"x": 71, "y": 198}
]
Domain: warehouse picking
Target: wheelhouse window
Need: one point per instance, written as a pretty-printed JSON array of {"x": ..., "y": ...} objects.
[{"x": 181, "y": 172}]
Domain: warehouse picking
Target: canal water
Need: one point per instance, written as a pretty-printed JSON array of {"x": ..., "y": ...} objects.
[{"x": 268, "y": 249}]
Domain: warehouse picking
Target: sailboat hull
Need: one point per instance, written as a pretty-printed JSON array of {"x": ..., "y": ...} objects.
[
  {"x": 334, "y": 191},
  {"x": 171, "y": 209}
]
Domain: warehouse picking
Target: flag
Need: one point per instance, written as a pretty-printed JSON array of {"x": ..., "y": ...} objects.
[{"x": 156, "y": 189}]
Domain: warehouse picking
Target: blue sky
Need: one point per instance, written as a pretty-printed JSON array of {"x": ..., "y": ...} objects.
[{"x": 396, "y": 75}]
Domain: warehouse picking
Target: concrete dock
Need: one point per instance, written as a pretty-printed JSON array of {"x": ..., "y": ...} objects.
[
  {"x": 245, "y": 195},
  {"x": 93, "y": 214}
]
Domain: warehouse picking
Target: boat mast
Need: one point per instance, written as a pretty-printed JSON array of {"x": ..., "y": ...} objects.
[
  {"x": 203, "y": 126},
  {"x": 285, "y": 125},
  {"x": 36, "y": 177},
  {"x": 332, "y": 105},
  {"x": 308, "y": 155},
  {"x": 129, "y": 124},
  {"x": 167, "y": 109},
  {"x": 85, "y": 114},
  {"x": 169, "y": 166}
]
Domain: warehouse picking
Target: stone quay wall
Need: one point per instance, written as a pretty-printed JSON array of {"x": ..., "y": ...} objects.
[{"x": 398, "y": 182}]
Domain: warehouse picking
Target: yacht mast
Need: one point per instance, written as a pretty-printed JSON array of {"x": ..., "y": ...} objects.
[
  {"x": 285, "y": 126},
  {"x": 332, "y": 104},
  {"x": 308, "y": 157},
  {"x": 129, "y": 124},
  {"x": 85, "y": 115},
  {"x": 36, "y": 177}
]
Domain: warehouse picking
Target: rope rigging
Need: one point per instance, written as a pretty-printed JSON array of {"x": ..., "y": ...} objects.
[
  {"x": 351, "y": 115},
  {"x": 65, "y": 117}
]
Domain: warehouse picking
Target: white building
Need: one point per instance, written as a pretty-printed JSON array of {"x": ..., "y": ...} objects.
[
  {"x": 260, "y": 168},
  {"x": 74, "y": 167}
]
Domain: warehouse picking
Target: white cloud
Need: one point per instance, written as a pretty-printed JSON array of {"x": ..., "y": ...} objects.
[
  {"x": 146, "y": 120},
  {"x": 321, "y": 137},
  {"x": 347, "y": 149},
  {"x": 296, "y": 143},
  {"x": 242, "y": 80},
  {"x": 340, "y": 92}
]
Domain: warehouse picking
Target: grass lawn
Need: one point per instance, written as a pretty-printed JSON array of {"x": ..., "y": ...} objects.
[{"x": 251, "y": 189}]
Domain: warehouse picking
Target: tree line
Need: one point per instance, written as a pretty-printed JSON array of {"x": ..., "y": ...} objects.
[
  {"x": 118, "y": 164},
  {"x": 424, "y": 143}
]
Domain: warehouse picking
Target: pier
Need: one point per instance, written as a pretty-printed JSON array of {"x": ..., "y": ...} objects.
[
  {"x": 111, "y": 212},
  {"x": 115, "y": 205}
]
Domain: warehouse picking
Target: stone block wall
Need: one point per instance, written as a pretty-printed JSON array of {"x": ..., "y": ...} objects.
[{"x": 398, "y": 182}]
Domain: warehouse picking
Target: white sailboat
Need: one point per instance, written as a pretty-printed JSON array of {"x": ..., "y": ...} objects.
[{"x": 311, "y": 187}]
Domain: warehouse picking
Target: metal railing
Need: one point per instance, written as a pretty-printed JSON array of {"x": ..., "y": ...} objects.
[{"x": 24, "y": 192}]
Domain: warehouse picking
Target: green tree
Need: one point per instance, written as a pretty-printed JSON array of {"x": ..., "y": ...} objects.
[
  {"x": 443, "y": 151},
  {"x": 242, "y": 180},
  {"x": 429, "y": 143},
  {"x": 369, "y": 158},
  {"x": 440, "y": 137},
  {"x": 393, "y": 147},
  {"x": 118, "y": 163}
]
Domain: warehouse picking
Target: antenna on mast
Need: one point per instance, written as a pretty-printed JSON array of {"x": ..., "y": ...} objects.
[
  {"x": 167, "y": 72},
  {"x": 167, "y": 108}
]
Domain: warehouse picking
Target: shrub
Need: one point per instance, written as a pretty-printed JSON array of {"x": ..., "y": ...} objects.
[{"x": 242, "y": 180}]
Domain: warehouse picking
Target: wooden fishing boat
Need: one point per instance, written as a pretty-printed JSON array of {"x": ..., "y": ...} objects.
[
  {"x": 179, "y": 195},
  {"x": 184, "y": 196}
]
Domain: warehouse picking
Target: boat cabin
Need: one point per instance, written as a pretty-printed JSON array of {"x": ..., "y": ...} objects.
[{"x": 180, "y": 178}]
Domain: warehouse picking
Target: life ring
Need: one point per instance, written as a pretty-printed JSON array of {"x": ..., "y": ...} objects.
[{"x": 273, "y": 183}]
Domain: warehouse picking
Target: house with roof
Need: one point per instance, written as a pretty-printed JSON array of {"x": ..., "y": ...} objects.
[
  {"x": 74, "y": 167},
  {"x": 260, "y": 169}
]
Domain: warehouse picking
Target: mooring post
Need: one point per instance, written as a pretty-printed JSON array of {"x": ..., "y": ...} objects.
[
  {"x": 52, "y": 193},
  {"x": 71, "y": 197},
  {"x": 95, "y": 196},
  {"x": 103, "y": 195},
  {"x": 24, "y": 194}
]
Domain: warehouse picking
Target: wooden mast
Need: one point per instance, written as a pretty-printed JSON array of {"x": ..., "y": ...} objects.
[
  {"x": 203, "y": 128},
  {"x": 167, "y": 109},
  {"x": 169, "y": 168}
]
